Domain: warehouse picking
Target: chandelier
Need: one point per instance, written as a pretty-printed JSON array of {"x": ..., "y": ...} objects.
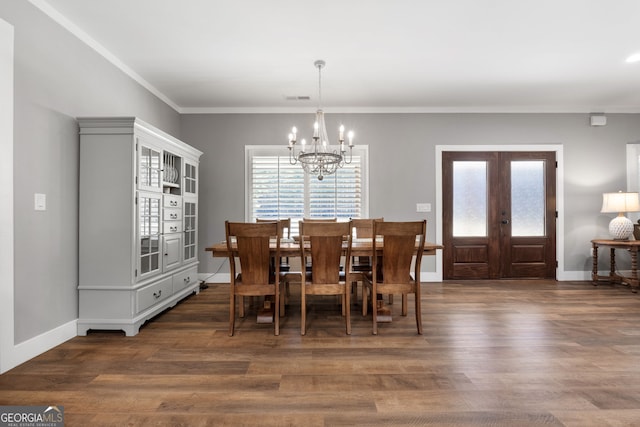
[{"x": 318, "y": 158}]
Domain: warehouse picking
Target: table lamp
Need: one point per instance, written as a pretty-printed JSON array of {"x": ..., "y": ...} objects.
[{"x": 620, "y": 227}]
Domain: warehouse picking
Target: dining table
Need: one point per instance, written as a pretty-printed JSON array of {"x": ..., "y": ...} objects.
[{"x": 290, "y": 247}]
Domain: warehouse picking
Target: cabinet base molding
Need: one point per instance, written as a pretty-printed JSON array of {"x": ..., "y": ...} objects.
[{"x": 132, "y": 326}]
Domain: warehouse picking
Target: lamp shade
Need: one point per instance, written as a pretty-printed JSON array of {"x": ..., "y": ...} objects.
[
  {"x": 620, "y": 202},
  {"x": 620, "y": 227}
]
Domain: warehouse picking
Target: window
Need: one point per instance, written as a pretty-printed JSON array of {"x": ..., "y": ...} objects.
[{"x": 276, "y": 189}]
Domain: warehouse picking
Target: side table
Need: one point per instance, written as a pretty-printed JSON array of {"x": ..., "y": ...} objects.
[{"x": 633, "y": 246}]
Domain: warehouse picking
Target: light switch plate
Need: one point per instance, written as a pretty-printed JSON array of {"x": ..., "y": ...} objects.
[
  {"x": 423, "y": 207},
  {"x": 40, "y": 202}
]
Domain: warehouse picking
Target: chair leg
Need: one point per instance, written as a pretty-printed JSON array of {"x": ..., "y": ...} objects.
[
  {"x": 347, "y": 298},
  {"x": 240, "y": 306},
  {"x": 418, "y": 312},
  {"x": 276, "y": 314},
  {"x": 404, "y": 304},
  {"x": 303, "y": 310},
  {"x": 374, "y": 309},
  {"x": 390, "y": 298},
  {"x": 232, "y": 314},
  {"x": 365, "y": 300}
]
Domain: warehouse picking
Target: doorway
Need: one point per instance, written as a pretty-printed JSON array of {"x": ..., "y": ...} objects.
[{"x": 499, "y": 214}]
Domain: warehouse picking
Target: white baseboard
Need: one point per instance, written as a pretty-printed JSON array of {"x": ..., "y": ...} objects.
[
  {"x": 215, "y": 277},
  {"x": 573, "y": 275},
  {"x": 37, "y": 345},
  {"x": 425, "y": 276}
]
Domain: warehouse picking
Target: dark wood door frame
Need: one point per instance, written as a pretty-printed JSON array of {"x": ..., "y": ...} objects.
[{"x": 557, "y": 148}]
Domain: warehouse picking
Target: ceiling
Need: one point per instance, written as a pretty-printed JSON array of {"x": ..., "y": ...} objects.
[{"x": 381, "y": 55}]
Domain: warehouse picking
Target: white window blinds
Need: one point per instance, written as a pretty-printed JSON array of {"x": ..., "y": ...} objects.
[{"x": 276, "y": 189}]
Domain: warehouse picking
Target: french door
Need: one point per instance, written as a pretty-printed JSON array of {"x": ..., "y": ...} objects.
[{"x": 499, "y": 215}]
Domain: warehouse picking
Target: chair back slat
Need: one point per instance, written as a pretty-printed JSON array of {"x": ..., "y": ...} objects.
[
  {"x": 326, "y": 252},
  {"x": 253, "y": 253},
  {"x": 252, "y": 249},
  {"x": 323, "y": 243},
  {"x": 400, "y": 242}
]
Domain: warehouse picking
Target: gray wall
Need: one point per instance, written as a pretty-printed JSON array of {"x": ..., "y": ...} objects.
[
  {"x": 402, "y": 163},
  {"x": 57, "y": 78}
]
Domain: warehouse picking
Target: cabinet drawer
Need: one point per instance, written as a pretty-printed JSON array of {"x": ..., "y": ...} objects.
[
  {"x": 152, "y": 294},
  {"x": 185, "y": 278},
  {"x": 169, "y": 227},
  {"x": 172, "y": 214},
  {"x": 172, "y": 201}
]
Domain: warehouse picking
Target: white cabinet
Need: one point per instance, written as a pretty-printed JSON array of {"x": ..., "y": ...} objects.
[{"x": 138, "y": 223}]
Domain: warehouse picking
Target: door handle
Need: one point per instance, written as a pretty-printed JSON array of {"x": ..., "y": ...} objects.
[{"x": 505, "y": 221}]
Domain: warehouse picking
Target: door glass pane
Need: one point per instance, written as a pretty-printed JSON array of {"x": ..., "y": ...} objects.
[
  {"x": 470, "y": 199},
  {"x": 527, "y": 198},
  {"x": 149, "y": 230}
]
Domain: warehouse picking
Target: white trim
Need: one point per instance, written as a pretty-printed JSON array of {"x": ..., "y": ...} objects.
[
  {"x": 37, "y": 345},
  {"x": 558, "y": 148},
  {"x": 543, "y": 109},
  {"x": 425, "y": 276},
  {"x": 8, "y": 357},
  {"x": 50, "y": 11},
  {"x": 218, "y": 278}
]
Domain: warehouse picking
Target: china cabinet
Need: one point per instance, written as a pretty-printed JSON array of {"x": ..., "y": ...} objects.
[{"x": 138, "y": 223}]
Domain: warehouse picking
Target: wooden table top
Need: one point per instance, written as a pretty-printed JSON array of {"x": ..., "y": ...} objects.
[
  {"x": 359, "y": 247},
  {"x": 618, "y": 243}
]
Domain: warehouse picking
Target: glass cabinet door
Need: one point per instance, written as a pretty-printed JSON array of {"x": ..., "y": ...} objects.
[
  {"x": 149, "y": 208},
  {"x": 149, "y": 167},
  {"x": 190, "y": 178},
  {"x": 190, "y": 230}
]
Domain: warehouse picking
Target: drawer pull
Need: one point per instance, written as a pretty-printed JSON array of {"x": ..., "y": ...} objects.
[
  {"x": 173, "y": 216},
  {"x": 187, "y": 279},
  {"x": 156, "y": 295},
  {"x": 173, "y": 203},
  {"x": 173, "y": 228}
]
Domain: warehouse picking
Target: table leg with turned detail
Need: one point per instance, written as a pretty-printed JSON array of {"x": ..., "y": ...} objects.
[
  {"x": 633, "y": 282},
  {"x": 630, "y": 245},
  {"x": 612, "y": 255}
]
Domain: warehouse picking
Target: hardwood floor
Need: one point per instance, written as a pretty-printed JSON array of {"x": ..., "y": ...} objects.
[{"x": 507, "y": 353}]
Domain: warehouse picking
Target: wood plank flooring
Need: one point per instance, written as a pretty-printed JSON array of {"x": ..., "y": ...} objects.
[{"x": 503, "y": 353}]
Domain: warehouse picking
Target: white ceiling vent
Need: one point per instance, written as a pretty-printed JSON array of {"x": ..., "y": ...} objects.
[{"x": 298, "y": 98}]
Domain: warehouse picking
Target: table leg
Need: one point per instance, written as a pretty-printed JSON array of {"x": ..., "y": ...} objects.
[
  {"x": 594, "y": 268},
  {"x": 266, "y": 312},
  {"x": 634, "y": 270},
  {"x": 612, "y": 273}
]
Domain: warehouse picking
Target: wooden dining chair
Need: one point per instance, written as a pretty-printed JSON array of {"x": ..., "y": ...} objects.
[
  {"x": 322, "y": 243},
  {"x": 391, "y": 272},
  {"x": 251, "y": 267}
]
